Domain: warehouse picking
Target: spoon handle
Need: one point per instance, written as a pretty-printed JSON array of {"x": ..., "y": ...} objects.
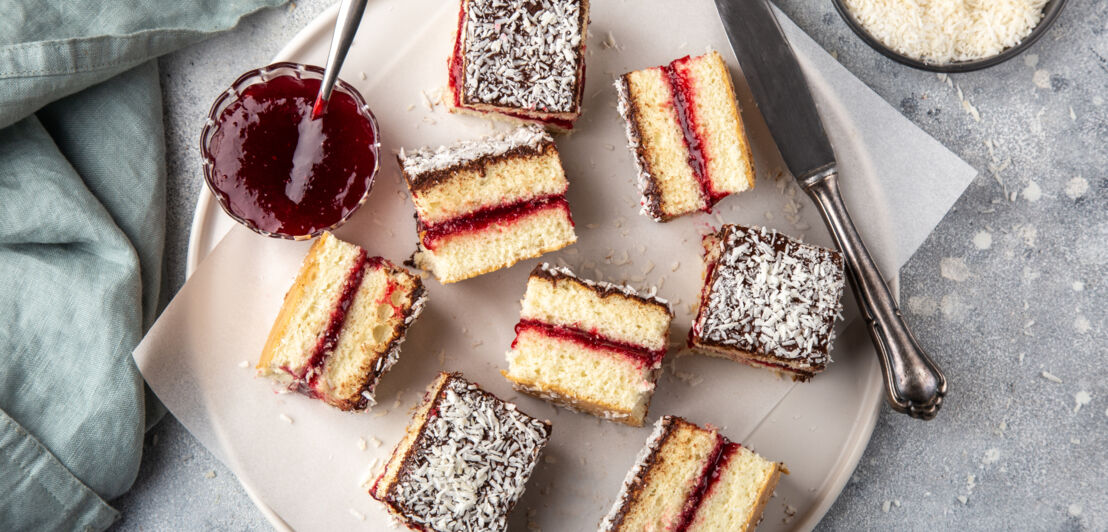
[{"x": 346, "y": 26}]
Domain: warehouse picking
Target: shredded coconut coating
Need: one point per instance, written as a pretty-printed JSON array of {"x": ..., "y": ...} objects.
[
  {"x": 601, "y": 285},
  {"x": 474, "y": 458},
  {"x": 523, "y": 54},
  {"x": 634, "y": 476},
  {"x": 774, "y": 295},
  {"x": 422, "y": 161}
]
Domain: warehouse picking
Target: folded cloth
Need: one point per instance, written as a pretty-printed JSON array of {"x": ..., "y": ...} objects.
[{"x": 82, "y": 208}]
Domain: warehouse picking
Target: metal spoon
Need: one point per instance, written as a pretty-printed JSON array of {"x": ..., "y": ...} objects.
[{"x": 350, "y": 16}]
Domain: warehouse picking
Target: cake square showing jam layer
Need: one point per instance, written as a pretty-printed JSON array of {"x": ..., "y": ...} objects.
[
  {"x": 485, "y": 204},
  {"x": 686, "y": 134},
  {"x": 464, "y": 461},
  {"x": 689, "y": 478},
  {"x": 523, "y": 59},
  {"x": 589, "y": 346},
  {"x": 768, "y": 300},
  {"x": 341, "y": 324}
]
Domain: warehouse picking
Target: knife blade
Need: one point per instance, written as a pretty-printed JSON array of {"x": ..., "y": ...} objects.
[
  {"x": 779, "y": 87},
  {"x": 914, "y": 384}
]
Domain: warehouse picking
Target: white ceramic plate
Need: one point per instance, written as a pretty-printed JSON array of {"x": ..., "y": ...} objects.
[{"x": 819, "y": 429}]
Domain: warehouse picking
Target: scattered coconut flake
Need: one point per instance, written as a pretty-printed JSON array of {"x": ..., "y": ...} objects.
[
  {"x": 1041, "y": 79},
  {"x": 1081, "y": 324},
  {"x": 286, "y": 418},
  {"x": 1074, "y": 510},
  {"x": 954, "y": 268},
  {"x": 209, "y": 474},
  {"x": 362, "y": 74},
  {"x": 375, "y": 442},
  {"x": 1032, "y": 192},
  {"x": 244, "y": 364},
  {"x": 991, "y": 456},
  {"x": 1051, "y": 377},
  {"x": 1081, "y": 399},
  {"x": 885, "y": 506},
  {"x": 1076, "y": 187},
  {"x": 361, "y": 444},
  {"x": 983, "y": 240},
  {"x": 963, "y": 499}
]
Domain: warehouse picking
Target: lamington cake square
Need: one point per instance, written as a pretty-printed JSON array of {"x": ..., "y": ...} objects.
[
  {"x": 686, "y": 134},
  {"x": 689, "y": 478},
  {"x": 589, "y": 346},
  {"x": 464, "y": 461},
  {"x": 768, "y": 300},
  {"x": 482, "y": 205},
  {"x": 523, "y": 59},
  {"x": 341, "y": 324}
]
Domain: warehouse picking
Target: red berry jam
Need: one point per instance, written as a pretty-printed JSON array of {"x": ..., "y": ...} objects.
[{"x": 284, "y": 173}]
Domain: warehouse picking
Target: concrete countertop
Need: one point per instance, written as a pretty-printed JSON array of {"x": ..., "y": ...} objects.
[{"x": 1008, "y": 293}]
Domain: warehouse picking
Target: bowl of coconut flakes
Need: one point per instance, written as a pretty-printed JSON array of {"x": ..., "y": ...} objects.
[{"x": 949, "y": 35}]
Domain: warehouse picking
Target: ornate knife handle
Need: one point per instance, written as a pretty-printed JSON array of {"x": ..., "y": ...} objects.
[{"x": 914, "y": 384}]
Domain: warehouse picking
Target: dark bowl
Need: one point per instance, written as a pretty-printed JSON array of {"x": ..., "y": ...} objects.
[{"x": 1050, "y": 13}]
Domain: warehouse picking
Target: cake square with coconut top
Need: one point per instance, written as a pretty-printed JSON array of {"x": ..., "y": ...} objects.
[
  {"x": 690, "y": 478},
  {"x": 341, "y": 324},
  {"x": 463, "y": 462},
  {"x": 589, "y": 346},
  {"x": 520, "y": 59},
  {"x": 768, "y": 300},
  {"x": 485, "y": 204},
  {"x": 686, "y": 135}
]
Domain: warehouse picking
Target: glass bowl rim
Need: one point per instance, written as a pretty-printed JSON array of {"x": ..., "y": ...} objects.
[{"x": 264, "y": 74}]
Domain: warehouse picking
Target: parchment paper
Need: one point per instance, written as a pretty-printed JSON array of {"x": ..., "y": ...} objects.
[{"x": 303, "y": 459}]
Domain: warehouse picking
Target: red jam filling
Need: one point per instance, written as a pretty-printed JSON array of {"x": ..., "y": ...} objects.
[
  {"x": 482, "y": 218},
  {"x": 683, "y": 97},
  {"x": 325, "y": 345},
  {"x": 709, "y": 476},
  {"x": 593, "y": 340},
  {"x": 281, "y": 171}
]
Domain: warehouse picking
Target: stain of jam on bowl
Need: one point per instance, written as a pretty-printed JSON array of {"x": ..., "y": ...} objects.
[{"x": 279, "y": 170}]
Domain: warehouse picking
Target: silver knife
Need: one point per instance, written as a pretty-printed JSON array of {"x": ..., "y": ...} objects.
[{"x": 914, "y": 384}]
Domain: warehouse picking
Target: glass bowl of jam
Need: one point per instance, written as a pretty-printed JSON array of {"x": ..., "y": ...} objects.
[{"x": 276, "y": 170}]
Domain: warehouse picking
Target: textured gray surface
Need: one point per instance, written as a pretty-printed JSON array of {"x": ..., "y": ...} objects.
[{"x": 1008, "y": 293}]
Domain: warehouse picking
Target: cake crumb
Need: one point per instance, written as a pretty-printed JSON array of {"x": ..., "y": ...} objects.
[
  {"x": 1074, "y": 510},
  {"x": 1081, "y": 399},
  {"x": 286, "y": 418},
  {"x": 675, "y": 266},
  {"x": 381, "y": 413},
  {"x": 896, "y": 502},
  {"x": 1078, "y": 286},
  {"x": 375, "y": 442},
  {"x": 361, "y": 444},
  {"x": 991, "y": 456},
  {"x": 244, "y": 364},
  {"x": 210, "y": 474}
]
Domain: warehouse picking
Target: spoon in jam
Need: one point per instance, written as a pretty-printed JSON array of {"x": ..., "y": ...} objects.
[{"x": 350, "y": 16}]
